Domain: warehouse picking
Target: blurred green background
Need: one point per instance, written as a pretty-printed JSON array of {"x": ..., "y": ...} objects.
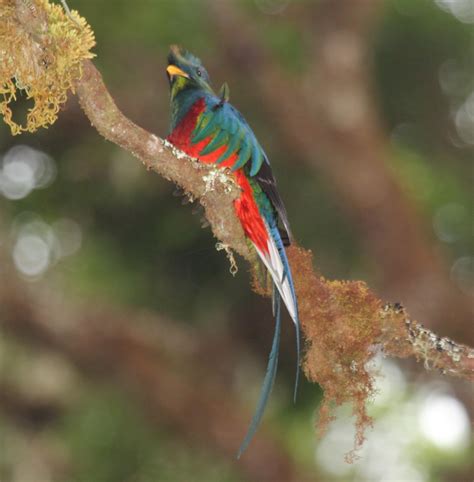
[{"x": 127, "y": 277}]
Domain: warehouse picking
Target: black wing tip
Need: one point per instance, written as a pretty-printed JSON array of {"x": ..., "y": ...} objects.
[
  {"x": 285, "y": 236},
  {"x": 267, "y": 182}
]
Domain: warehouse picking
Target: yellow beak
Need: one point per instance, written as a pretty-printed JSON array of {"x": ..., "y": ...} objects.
[{"x": 173, "y": 70}]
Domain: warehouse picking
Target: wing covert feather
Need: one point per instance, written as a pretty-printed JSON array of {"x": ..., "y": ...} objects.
[{"x": 224, "y": 125}]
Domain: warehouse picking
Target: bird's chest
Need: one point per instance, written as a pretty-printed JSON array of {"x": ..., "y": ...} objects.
[{"x": 182, "y": 134}]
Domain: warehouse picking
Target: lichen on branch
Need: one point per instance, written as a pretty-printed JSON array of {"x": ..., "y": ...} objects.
[{"x": 41, "y": 55}]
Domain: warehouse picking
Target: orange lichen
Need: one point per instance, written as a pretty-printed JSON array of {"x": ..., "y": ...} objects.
[
  {"x": 341, "y": 323},
  {"x": 41, "y": 50}
]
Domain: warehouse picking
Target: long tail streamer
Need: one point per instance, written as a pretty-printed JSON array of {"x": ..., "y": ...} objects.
[
  {"x": 287, "y": 291},
  {"x": 269, "y": 377}
]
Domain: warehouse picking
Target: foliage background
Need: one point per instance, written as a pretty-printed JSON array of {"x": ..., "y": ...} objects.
[{"x": 84, "y": 221}]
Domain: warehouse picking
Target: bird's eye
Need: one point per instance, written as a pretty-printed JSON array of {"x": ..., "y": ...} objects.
[{"x": 198, "y": 72}]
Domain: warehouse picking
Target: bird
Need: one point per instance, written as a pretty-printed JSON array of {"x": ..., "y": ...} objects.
[{"x": 206, "y": 126}]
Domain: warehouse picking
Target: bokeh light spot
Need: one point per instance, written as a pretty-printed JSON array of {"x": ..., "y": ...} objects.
[
  {"x": 463, "y": 10},
  {"x": 24, "y": 169},
  {"x": 464, "y": 120},
  {"x": 31, "y": 255},
  {"x": 16, "y": 179},
  {"x": 444, "y": 422}
]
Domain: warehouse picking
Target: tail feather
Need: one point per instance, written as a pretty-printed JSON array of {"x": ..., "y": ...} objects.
[
  {"x": 277, "y": 264},
  {"x": 269, "y": 378}
]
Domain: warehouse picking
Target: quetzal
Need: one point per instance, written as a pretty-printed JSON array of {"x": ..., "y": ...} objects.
[{"x": 206, "y": 126}]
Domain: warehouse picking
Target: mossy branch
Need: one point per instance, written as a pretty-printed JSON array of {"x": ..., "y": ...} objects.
[{"x": 343, "y": 322}]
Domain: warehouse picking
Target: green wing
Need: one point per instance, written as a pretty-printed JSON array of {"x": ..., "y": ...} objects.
[{"x": 227, "y": 127}]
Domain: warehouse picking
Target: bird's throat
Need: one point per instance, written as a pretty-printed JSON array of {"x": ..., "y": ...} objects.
[{"x": 182, "y": 103}]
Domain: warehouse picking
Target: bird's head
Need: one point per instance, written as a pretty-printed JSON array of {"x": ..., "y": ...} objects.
[{"x": 185, "y": 71}]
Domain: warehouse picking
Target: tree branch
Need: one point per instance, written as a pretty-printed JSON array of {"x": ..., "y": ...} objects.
[{"x": 403, "y": 338}]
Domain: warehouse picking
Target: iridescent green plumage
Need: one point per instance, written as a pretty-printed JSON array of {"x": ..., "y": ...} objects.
[{"x": 222, "y": 123}]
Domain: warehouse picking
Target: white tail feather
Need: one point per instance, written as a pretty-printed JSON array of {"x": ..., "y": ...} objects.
[
  {"x": 277, "y": 265},
  {"x": 274, "y": 264}
]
